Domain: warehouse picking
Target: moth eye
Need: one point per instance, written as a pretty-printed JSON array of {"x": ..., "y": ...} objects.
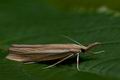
[{"x": 83, "y": 50}]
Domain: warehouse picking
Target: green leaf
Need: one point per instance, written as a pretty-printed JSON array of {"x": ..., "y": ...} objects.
[{"x": 37, "y": 22}]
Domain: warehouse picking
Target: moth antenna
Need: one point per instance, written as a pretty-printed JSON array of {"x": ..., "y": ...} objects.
[
  {"x": 101, "y": 43},
  {"x": 72, "y": 40},
  {"x": 112, "y": 42}
]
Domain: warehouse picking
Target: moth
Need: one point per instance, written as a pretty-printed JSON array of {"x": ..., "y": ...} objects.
[{"x": 39, "y": 52}]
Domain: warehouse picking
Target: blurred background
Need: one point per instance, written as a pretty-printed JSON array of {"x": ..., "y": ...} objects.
[{"x": 45, "y": 21}]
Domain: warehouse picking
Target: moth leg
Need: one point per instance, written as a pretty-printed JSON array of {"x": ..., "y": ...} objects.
[
  {"x": 29, "y": 62},
  {"x": 59, "y": 61},
  {"x": 78, "y": 56},
  {"x": 98, "y": 52}
]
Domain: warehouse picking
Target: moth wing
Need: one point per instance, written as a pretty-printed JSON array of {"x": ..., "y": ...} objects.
[
  {"x": 38, "y": 51},
  {"x": 41, "y": 52},
  {"x": 36, "y": 57},
  {"x": 45, "y": 49}
]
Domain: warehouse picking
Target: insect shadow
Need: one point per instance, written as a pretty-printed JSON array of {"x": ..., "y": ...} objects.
[{"x": 67, "y": 62}]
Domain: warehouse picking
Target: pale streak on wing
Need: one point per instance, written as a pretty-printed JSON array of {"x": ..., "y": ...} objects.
[
  {"x": 39, "y": 51},
  {"x": 45, "y": 49},
  {"x": 63, "y": 46},
  {"x": 36, "y": 57}
]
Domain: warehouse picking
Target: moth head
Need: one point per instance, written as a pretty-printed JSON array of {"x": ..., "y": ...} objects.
[{"x": 90, "y": 46}]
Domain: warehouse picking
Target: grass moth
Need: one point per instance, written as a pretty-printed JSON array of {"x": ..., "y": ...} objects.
[{"x": 37, "y": 53}]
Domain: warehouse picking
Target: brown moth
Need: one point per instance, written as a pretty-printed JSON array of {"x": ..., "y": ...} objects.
[
  {"x": 46, "y": 52},
  {"x": 36, "y": 53}
]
